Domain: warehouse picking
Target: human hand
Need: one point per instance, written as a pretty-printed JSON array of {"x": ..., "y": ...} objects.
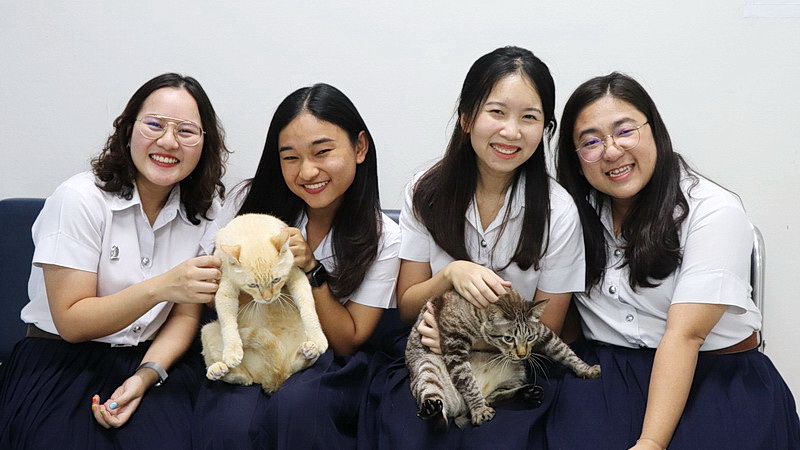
[
  {"x": 303, "y": 256},
  {"x": 477, "y": 284},
  {"x": 118, "y": 409},
  {"x": 195, "y": 280},
  {"x": 429, "y": 330}
]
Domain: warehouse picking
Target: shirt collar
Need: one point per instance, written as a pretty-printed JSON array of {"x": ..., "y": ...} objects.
[
  {"x": 324, "y": 250},
  {"x": 517, "y": 205},
  {"x": 172, "y": 208}
]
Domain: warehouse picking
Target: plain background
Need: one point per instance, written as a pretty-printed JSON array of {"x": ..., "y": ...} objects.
[{"x": 726, "y": 85}]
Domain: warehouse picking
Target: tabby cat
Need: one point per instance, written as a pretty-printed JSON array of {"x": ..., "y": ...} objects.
[
  {"x": 463, "y": 382},
  {"x": 275, "y": 334}
]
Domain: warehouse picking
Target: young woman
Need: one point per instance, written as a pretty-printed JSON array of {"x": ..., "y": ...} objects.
[
  {"x": 667, "y": 311},
  {"x": 318, "y": 172},
  {"x": 484, "y": 217},
  {"x": 120, "y": 271}
]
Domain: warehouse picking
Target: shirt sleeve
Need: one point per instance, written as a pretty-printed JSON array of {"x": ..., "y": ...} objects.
[
  {"x": 69, "y": 230},
  {"x": 716, "y": 255},
  {"x": 380, "y": 282},
  {"x": 415, "y": 239},
  {"x": 563, "y": 267}
]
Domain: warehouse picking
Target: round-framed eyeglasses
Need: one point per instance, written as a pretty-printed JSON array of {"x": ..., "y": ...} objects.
[
  {"x": 626, "y": 137},
  {"x": 153, "y": 126}
]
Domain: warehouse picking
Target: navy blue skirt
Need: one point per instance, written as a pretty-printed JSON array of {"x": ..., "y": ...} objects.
[
  {"x": 737, "y": 401},
  {"x": 315, "y": 408},
  {"x": 389, "y": 416},
  {"x": 47, "y": 388}
]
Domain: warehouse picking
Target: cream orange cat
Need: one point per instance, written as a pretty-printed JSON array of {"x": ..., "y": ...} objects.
[{"x": 277, "y": 332}]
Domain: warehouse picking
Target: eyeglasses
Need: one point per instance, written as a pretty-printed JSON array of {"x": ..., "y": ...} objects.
[
  {"x": 626, "y": 137},
  {"x": 154, "y": 126}
]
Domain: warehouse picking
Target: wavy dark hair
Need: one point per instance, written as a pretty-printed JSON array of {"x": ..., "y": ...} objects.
[
  {"x": 651, "y": 227},
  {"x": 357, "y": 225},
  {"x": 114, "y": 166},
  {"x": 442, "y": 195}
]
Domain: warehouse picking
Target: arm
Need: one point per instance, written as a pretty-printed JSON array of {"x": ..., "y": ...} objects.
[
  {"x": 556, "y": 310},
  {"x": 688, "y": 324},
  {"x": 415, "y": 285},
  {"x": 346, "y": 326},
  {"x": 173, "y": 339},
  {"x": 79, "y": 315}
]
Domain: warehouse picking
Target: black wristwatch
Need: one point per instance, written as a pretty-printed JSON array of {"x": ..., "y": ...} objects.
[{"x": 318, "y": 275}]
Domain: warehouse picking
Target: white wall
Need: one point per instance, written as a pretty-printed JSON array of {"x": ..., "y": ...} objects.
[{"x": 726, "y": 86}]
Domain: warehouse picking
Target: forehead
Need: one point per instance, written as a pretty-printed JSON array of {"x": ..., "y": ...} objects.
[
  {"x": 516, "y": 88},
  {"x": 305, "y": 129},
  {"x": 172, "y": 102},
  {"x": 605, "y": 112}
]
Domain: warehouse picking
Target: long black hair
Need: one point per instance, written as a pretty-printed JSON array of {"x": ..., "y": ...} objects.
[
  {"x": 115, "y": 168},
  {"x": 651, "y": 226},
  {"x": 357, "y": 223},
  {"x": 442, "y": 195}
]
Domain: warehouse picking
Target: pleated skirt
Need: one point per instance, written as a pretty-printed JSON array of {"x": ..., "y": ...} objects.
[
  {"x": 737, "y": 401},
  {"x": 315, "y": 408},
  {"x": 389, "y": 415},
  {"x": 46, "y": 394}
]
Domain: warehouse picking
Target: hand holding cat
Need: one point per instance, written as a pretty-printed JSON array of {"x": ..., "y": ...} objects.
[
  {"x": 429, "y": 330},
  {"x": 124, "y": 401},
  {"x": 303, "y": 255},
  {"x": 192, "y": 281},
  {"x": 477, "y": 284}
]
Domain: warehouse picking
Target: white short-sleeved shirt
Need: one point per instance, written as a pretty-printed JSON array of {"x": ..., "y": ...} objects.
[
  {"x": 562, "y": 268},
  {"x": 83, "y": 227},
  {"x": 378, "y": 288},
  {"x": 717, "y": 240}
]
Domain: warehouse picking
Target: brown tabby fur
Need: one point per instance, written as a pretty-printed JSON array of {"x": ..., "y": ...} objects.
[{"x": 463, "y": 382}]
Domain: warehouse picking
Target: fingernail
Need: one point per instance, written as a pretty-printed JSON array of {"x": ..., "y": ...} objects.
[
  {"x": 102, "y": 413},
  {"x": 113, "y": 405},
  {"x": 94, "y": 407},
  {"x": 96, "y": 399}
]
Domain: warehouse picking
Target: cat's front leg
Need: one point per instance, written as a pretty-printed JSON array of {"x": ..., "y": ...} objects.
[
  {"x": 227, "y": 305},
  {"x": 455, "y": 352},
  {"x": 300, "y": 290}
]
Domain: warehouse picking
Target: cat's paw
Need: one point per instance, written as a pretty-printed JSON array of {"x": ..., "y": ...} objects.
[
  {"x": 232, "y": 356},
  {"x": 216, "y": 371},
  {"x": 482, "y": 414},
  {"x": 591, "y": 372},
  {"x": 309, "y": 350},
  {"x": 430, "y": 408},
  {"x": 532, "y": 393}
]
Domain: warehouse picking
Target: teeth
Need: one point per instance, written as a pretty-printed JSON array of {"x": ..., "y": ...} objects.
[
  {"x": 620, "y": 171},
  {"x": 508, "y": 151},
  {"x": 316, "y": 185},
  {"x": 164, "y": 159}
]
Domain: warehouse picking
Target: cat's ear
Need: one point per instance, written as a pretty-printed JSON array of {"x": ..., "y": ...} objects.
[
  {"x": 280, "y": 239},
  {"x": 232, "y": 251},
  {"x": 537, "y": 307}
]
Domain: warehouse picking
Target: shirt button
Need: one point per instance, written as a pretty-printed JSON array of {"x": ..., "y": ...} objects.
[
  {"x": 629, "y": 318},
  {"x": 483, "y": 243},
  {"x": 145, "y": 261},
  {"x": 612, "y": 289},
  {"x": 617, "y": 252},
  {"x": 137, "y": 329}
]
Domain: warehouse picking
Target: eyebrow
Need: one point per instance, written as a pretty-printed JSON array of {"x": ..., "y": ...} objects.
[
  {"x": 499, "y": 103},
  {"x": 316, "y": 142},
  {"x": 614, "y": 125}
]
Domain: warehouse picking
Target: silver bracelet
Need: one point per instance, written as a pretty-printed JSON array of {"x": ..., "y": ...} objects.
[{"x": 157, "y": 368}]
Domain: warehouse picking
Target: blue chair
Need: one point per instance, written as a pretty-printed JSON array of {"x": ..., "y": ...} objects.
[{"x": 16, "y": 246}]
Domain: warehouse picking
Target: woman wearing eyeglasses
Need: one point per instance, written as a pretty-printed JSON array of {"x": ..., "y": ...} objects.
[
  {"x": 667, "y": 311},
  {"x": 120, "y": 272}
]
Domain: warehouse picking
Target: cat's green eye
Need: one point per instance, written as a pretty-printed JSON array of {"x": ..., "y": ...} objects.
[
  {"x": 508, "y": 339},
  {"x": 531, "y": 338},
  {"x": 276, "y": 280},
  {"x": 252, "y": 285}
]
